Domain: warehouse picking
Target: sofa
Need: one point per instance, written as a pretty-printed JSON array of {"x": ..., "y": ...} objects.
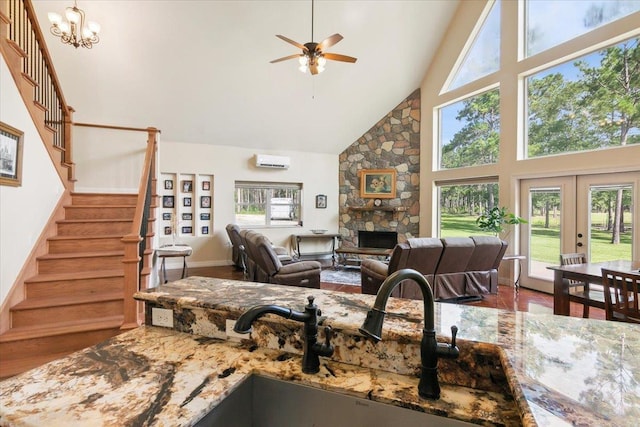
[
  {"x": 455, "y": 267},
  {"x": 265, "y": 265}
]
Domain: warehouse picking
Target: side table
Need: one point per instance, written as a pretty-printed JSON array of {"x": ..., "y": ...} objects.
[
  {"x": 519, "y": 259},
  {"x": 174, "y": 251}
]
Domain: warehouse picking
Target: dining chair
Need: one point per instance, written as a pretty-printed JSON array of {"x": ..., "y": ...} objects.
[
  {"x": 621, "y": 295},
  {"x": 580, "y": 291}
]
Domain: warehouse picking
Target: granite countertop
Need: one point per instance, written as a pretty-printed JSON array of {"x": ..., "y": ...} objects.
[{"x": 515, "y": 368}]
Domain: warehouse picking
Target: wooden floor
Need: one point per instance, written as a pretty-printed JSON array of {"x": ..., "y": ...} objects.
[{"x": 506, "y": 299}]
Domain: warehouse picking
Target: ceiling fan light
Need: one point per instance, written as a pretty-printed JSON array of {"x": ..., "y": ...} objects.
[
  {"x": 321, "y": 62},
  {"x": 303, "y": 60},
  {"x": 303, "y": 68}
]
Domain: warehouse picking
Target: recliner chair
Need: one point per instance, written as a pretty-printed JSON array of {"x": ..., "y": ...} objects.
[
  {"x": 238, "y": 255},
  {"x": 271, "y": 270}
]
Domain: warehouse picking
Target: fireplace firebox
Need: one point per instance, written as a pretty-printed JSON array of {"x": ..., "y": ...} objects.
[{"x": 377, "y": 239}]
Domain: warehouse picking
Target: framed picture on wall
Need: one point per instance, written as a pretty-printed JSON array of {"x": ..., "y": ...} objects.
[
  {"x": 205, "y": 229},
  {"x": 187, "y": 216},
  {"x": 186, "y": 230},
  {"x": 11, "y": 142},
  {"x": 166, "y": 216},
  {"x": 186, "y": 201},
  {"x": 205, "y": 216},
  {"x": 205, "y": 201},
  {"x": 321, "y": 201},
  {"x": 168, "y": 184},
  {"x": 206, "y": 185},
  {"x": 378, "y": 183},
  {"x": 167, "y": 201},
  {"x": 187, "y": 186},
  {"x": 167, "y": 231}
]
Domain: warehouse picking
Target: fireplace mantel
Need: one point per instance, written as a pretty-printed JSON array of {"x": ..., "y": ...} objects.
[{"x": 377, "y": 208}]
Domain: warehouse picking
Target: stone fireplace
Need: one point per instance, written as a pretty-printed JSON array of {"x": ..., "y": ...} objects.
[{"x": 392, "y": 143}]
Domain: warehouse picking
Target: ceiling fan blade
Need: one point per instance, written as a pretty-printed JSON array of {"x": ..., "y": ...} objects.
[
  {"x": 329, "y": 41},
  {"x": 338, "y": 57},
  {"x": 284, "y": 58},
  {"x": 288, "y": 40}
]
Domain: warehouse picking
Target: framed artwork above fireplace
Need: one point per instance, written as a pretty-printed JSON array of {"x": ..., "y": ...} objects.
[{"x": 378, "y": 183}]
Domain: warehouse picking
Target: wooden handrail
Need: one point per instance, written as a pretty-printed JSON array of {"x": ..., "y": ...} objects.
[
  {"x": 26, "y": 38},
  {"x": 94, "y": 125},
  {"x": 133, "y": 261}
]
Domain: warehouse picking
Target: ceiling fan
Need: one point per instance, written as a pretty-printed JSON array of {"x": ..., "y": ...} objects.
[{"x": 314, "y": 55}]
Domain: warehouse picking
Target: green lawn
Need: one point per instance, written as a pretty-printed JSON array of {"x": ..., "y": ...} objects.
[{"x": 545, "y": 242}]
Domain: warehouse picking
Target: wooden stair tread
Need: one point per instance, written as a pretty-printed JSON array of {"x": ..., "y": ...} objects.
[
  {"x": 106, "y": 205},
  {"x": 82, "y": 236},
  {"x": 92, "y": 221},
  {"x": 46, "y": 302},
  {"x": 80, "y": 255},
  {"x": 75, "y": 275},
  {"x": 61, "y": 328}
]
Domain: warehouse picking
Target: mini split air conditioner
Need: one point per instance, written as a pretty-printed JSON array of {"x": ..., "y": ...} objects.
[{"x": 267, "y": 161}]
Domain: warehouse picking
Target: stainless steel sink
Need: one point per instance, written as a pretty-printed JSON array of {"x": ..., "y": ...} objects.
[{"x": 267, "y": 402}]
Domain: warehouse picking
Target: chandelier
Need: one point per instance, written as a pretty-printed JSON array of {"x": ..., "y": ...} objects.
[{"x": 73, "y": 31}]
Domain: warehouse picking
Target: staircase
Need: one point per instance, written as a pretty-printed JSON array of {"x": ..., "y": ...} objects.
[{"x": 76, "y": 298}]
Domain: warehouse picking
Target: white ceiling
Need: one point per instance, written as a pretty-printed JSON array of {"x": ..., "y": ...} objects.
[{"x": 200, "y": 71}]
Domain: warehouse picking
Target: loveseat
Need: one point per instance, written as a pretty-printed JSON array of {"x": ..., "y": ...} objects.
[{"x": 455, "y": 267}]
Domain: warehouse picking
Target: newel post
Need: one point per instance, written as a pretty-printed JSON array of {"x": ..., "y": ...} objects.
[{"x": 131, "y": 263}]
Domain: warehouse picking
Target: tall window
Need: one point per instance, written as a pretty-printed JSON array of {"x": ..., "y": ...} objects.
[
  {"x": 586, "y": 104},
  {"x": 460, "y": 205},
  {"x": 549, "y": 23},
  {"x": 470, "y": 131},
  {"x": 267, "y": 204},
  {"x": 483, "y": 57}
]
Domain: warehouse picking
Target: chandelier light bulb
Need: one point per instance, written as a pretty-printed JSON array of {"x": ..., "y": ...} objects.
[
  {"x": 303, "y": 60},
  {"x": 73, "y": 15},
  {"x": 303, "y": 68},
  {"x": 94, "y": 27},
  {"x": 321, "y": 62},
  {"x": 64, "y": 27},
  {"x": 54, "y": 18}
]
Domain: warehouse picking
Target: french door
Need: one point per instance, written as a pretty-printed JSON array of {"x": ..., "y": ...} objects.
[{"x": 594, "y": 214}]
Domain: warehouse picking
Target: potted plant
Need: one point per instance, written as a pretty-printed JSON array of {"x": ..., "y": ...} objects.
[{"x": 496, "y": 219}]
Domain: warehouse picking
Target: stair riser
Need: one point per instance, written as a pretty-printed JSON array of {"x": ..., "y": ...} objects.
[
  {"x": 61, "y": 288},
  {"x": 85, "y": 245},
  {"x": 51, "y": 266},
  {"x": 52, "y": 315},
  {"x": 104, "y": 199},
  {"x": 102, "y": 212},
  {"x": 94, "y": 228},
  {"x": 65, "y": 343}
]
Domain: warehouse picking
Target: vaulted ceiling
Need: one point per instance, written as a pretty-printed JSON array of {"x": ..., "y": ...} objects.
[{"x": 200, "y": 71}]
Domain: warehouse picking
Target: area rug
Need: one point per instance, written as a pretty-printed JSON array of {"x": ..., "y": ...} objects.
[{"x": 343, "y": 276}]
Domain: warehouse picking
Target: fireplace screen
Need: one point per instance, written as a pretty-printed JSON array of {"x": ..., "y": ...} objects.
[{"x": 377, "y": 239}]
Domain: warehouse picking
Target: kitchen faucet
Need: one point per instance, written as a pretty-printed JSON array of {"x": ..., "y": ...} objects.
[
  {"x": 312, "y": 349},
  {"x": 430, "y": 349}
]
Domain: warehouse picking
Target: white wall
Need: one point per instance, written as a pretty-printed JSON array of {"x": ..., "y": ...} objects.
[
  {"x": 318, "y": 174},
  {"x": 107, "y": 160},
  {"x": 24, "y": 210}
]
